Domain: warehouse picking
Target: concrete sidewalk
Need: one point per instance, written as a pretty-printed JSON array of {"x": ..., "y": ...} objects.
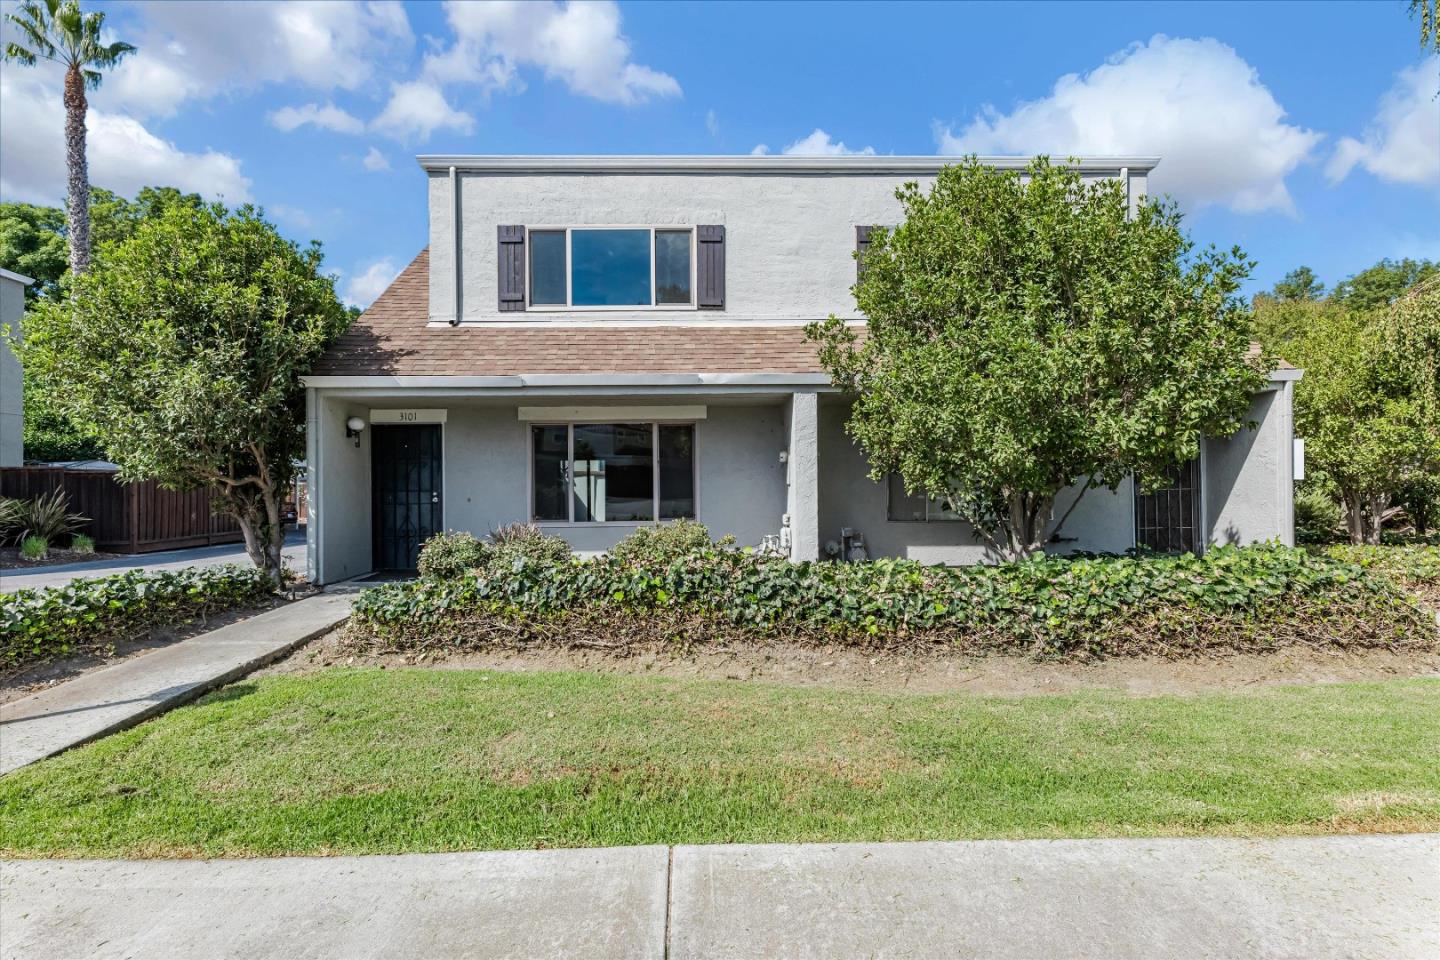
[
  {"x": 1317, "y": 898},
  {"x": 293, "y": 556},
  {"x": 95, "y": 704}
]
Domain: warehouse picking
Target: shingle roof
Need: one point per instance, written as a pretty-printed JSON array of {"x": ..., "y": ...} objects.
[{"x": 393, "y": 338}]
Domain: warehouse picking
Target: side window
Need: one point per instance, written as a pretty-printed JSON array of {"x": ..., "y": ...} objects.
[{"x": 904, "y": 505}]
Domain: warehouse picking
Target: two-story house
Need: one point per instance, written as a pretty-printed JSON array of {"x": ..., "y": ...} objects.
[{"x": 595, "y": 343}]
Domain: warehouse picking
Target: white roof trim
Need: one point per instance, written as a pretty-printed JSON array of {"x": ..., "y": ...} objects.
[
  {"x": 17, "y": 277},
  {"x": 579, "y": 380},
  {"x": 749, "y": 164}
]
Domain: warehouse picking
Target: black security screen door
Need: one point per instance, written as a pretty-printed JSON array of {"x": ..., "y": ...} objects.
[
  {"x": 405, "y": 472},
  {"x": 1166, "y": 519}
]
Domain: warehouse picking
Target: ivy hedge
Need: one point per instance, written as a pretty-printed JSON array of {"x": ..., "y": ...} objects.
[
  {"x": 1233, "y": 598},
  {"x": 41, "y": 624}
]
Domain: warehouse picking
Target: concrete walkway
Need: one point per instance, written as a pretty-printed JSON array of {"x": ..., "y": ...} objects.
[
  {"x": 95, "y": 704},
  {"x": 1317, "y": 898},
  {"x": 293, "y": 556}
]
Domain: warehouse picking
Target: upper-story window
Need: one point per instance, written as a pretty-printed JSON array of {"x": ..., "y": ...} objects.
[{"x": 614, "y": 267}]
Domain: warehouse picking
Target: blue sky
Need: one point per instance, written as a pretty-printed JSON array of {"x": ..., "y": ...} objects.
[{"x": 1305, "y": 133}]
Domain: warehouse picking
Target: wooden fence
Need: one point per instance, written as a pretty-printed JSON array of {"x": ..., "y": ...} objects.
[{"x": 128, "y": 517}]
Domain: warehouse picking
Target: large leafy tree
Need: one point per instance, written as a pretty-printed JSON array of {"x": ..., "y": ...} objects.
[
  {"x": 32, "y": 241},
  {"x": 184, "y": 350},
  {"x": 1366, "y": 406},
  {"x": 1025, "y": 334},
  {"x": 1384, "y": 283},
  {"x": 62, "y": 33}
]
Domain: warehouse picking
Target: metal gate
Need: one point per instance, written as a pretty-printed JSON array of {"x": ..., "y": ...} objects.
[
  {"x": 406, "y": 489},
  {"x": 1167, "y": 519}
]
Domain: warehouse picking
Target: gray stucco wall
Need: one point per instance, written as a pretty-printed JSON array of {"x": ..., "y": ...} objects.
[
  {"x": 339, "y": 526},
  {"x": 789, "y": 236},
  {"x": 740, "y": 479},
  {"x": 1248, "y": 477},
  {"x": 12, "y": 389}
]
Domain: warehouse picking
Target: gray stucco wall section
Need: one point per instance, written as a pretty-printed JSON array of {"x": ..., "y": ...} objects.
[
  {"x": 789, "y": 237},
  {"x": 740, "y": 480},
  {"x": 1248, "y": 477},
  {"x": 12, "y": 380},
  {"x": 339, "y": 527}
]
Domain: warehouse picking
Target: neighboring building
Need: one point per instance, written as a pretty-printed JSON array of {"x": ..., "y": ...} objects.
[
  {"x": 12, "y": 381},
  {"x": 596, "y": 343}
]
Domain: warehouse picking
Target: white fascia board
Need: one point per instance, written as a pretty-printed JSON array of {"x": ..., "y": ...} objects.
[
  {"x": 17, "y": 277},
  {"x": 575, "y": 380},
  {"x": 732, "y": 164}
]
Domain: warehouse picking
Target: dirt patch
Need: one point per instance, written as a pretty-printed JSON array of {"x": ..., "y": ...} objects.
[
  {"x": 925, "y": 672},
  {"x": 22, "y": 683},
  {"x": 10, "y": 558}
]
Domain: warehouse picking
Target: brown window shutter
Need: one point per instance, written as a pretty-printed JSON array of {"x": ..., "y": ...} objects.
[
  {"x": 862, "y": 247},
  {"x": 511, "y": 248},
  {"x": 710, "y": 267}
]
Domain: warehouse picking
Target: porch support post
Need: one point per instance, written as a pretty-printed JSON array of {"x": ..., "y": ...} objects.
[
  {"x": 313, "y": 446},
  {"x": 804, "y": 475}
]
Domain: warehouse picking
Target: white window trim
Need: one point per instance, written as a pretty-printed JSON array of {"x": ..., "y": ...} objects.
[
  {"x": 570, "y": 425},
  {"x": 612, "y": 308}
]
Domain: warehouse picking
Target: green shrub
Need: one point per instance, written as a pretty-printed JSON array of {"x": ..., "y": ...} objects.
[
  {"x": 34, "y": 548},
  {"x": 82, "y": 544},
  {"x": 49, "y": 517},
  {"x": 452, "y": 554},
  {"x": 11, "y": 510},
  {"x": 517, "y": 543},
  {"x": 1251, "y": 598},
  {"x": 92, "y": 613},
  {"x": 659, "y": 545},
  {"x": 1317, "y": 516}
]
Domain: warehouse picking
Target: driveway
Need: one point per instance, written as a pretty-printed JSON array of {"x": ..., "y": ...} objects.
[
  {"x": 1312, "y": 897},
  {"x": 62, "y": 573}
]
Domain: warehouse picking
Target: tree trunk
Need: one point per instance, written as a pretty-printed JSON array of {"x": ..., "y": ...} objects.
[
  {"x": 78, "y": 213},
  {"x": 1376, "y": 518},
  {"x": 264, "y": 535},
  {"x": 1354, "y": 517}
]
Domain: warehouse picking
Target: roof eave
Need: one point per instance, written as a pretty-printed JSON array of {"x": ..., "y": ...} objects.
[{"x": 857, "y": 165}]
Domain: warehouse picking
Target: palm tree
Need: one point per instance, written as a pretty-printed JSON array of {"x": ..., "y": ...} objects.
[{"x": 62, "y": 33}]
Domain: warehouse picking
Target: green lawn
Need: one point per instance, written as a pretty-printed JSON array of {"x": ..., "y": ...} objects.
[{"x": 385, "y": 761}]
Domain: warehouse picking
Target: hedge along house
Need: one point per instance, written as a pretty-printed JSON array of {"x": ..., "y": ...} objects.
[{"x": 596, "y": 343}]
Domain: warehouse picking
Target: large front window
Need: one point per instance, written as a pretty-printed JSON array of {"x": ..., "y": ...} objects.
[
  {"x": 612, "y": 267},
  {"x": 612, "y": 472}
]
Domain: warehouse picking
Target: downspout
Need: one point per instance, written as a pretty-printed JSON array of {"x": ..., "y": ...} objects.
[
  {"x": 455, "y": 226},
  {"x": 1129, "y": 200}
]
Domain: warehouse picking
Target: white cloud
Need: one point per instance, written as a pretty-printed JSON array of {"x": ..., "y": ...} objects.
[
  {"x": 327, "y": 117},
  {"x": 1195, "y": 103},
  {"x": 712, "y": 123},
  {"x": 362, "y": 289},
  {"x": 1402, "y": 145},
  {"x": 196, "y": 50},
  {"x": 123, "y": 155},
  {"x": 416, "y": 110},
  {"x": 577, "y": 43},
  {"x": 375, "y": 161},
  {"x": 819, "y": 144},
  {"x": 760, "y": 150}
]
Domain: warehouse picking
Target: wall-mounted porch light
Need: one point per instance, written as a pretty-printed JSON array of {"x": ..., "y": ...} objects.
[{"x": 353, "y": 426}]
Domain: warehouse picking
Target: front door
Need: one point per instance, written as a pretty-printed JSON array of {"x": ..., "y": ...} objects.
[{"x": 405, "y": 485}]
